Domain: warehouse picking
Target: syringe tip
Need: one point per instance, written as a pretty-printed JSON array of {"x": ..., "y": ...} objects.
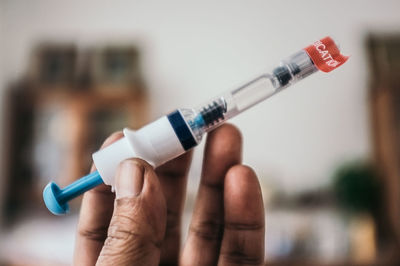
[{"x": 50, "y": 193}]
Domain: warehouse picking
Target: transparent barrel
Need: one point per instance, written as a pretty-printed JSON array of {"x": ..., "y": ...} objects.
[{"x": 215, "y": 112}]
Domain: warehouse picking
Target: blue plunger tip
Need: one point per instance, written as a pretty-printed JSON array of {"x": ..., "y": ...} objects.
[
  {"x": 56, "y": 198},
  {"x": 50, "y": 194}
]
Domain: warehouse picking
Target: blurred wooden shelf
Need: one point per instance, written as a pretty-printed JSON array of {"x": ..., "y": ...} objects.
[
  {"x": 384, "y": 99},
  {"x": 74, "y": 121}
]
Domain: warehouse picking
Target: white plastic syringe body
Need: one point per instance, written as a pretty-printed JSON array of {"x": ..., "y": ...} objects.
[{"x": 155, "y": 143}]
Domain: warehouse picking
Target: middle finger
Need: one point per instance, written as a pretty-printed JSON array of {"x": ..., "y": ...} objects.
[{"x": 223, "y": 150}]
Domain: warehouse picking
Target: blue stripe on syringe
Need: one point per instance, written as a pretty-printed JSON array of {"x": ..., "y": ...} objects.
[{"x": 182, "y": 130}]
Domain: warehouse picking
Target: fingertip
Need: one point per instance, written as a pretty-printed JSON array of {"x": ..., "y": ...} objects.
[
  {"x": 223, "y": 149},
  {"x": 150, "y": 180},
  {"x": 227, "y": 133},
  {"x": 243, "y": 194},
  {"x": 241, "y": 179},
  {"x": 112, "y": 138},
  {"x": 129, "y": 179},
  {"x": 241, "y": 170}
]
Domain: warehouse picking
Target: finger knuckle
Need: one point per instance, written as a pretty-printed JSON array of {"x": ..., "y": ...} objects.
[
  {"x": 95, "y": 234},
  {"x": 244, "y": 226},
  {"x": 125, "y": 230},
  {"x": 127, "y": 205},
  {"x": 123, "y": 227},
  {"x": 240, "y": 258},
  {"x": 173, "y": 220},
  {"x": 208, "y": 230}
]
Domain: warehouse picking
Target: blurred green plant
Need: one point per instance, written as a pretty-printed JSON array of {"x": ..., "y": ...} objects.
[{"x": 357, "y": 187}]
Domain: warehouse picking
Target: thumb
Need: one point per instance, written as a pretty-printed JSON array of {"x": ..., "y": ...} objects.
[{"x": 138, "y": 223}]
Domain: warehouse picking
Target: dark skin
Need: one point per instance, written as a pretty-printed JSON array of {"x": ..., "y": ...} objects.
[{"x": 227, "y": 226}]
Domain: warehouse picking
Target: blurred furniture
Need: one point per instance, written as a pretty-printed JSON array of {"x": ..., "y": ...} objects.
[
  {"x": 62, "y": 111},
  {"x": 384, "y": 95}
]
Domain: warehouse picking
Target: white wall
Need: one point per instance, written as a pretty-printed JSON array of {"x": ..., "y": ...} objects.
[{"x": 193, "y": 51}]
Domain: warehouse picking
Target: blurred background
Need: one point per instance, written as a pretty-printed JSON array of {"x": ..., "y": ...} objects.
[{"x": 326, "y": 150}]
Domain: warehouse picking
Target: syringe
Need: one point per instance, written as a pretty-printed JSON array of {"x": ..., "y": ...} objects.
[{"x": 181, "y": 130}]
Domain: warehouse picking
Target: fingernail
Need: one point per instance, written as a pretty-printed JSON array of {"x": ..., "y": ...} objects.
[{"x": 129, "y": 181}]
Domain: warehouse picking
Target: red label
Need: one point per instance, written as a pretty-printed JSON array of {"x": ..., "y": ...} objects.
[{"x": 325, "y": 54}]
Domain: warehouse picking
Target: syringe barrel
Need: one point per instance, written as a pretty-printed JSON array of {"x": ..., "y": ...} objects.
[
  {"x": 232, "y": 103},
  {"x": 288, "y": 72},
  {"x": 322, "y": 55}
]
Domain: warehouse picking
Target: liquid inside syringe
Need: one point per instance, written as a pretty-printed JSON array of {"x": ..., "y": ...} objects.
[{"x": 181, "y": 130}]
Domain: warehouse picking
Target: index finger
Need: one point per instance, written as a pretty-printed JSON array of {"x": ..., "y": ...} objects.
[
  {"x": 173, "y": 178},
  {"x": 95, "y": 215}
]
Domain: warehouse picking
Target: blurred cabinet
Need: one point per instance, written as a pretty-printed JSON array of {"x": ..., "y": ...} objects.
[
  {"x": 384, "y": 60},
  {"x": 62, "y": 111}
]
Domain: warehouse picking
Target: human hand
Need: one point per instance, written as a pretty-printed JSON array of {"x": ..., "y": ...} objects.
[{"x": 140, "y": 224}]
